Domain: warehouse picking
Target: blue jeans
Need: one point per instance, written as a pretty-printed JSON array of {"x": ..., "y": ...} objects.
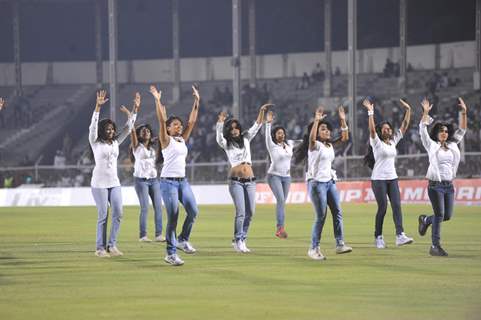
[
  {"x": 383, "y": 189},
  {"x": 103, "y": 197},
  {"x": 280, "y": 188},
  {"x": 324, "y": 194},
  {"x": 441, "y": 195},
  {"x": 244, "y": 196},
  {"x": 174, "y": 191},
  {"x": 146, "y": 188}
]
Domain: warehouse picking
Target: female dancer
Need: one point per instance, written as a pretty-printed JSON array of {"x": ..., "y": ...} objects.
[
  {"x": 242, "y": 186},
  {"x": 105, "y": 182},
  {"x": 444, "y": 156},
  {"x": 384, "y": 180},
  {"x": 318, "y": 147},
  {"x": 173, "y": 184},
  {"x": 278, "y": 175},
  {"x": 144, "y": 156}
]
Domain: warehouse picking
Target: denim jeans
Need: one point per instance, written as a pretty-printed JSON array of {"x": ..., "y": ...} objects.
[
  {"x": 244, "y": 196},
  {"x": 173, "y": 192},
  {"x": 103, "y": 197},
  {"x": 280, "y": 188},
  {"x": 383, "y": 189},
  {"x": 324, "y": 194},
  {"x": 441, "y": 195},
  {"x": 146, "y": 188}
]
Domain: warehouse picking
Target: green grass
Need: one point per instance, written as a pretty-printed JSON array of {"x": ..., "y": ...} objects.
[{"x": 48, "y": 270}]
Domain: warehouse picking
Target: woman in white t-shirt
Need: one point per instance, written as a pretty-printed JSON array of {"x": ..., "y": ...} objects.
[
  {"x": 173, "y": 183},
  {"x": 242, "y": 182},
  {"x": 105, "y": 183},
  {"x": 441, "y": 145},
  {"x": 318, "y": 147},
  {"x": 144, "y": 156},
  {"x": 279, "y": 173},
  {"x": 384, "y": 180}
]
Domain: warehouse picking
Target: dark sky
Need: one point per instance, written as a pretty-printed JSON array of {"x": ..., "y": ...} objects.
[{"x": 65, "y": 31}]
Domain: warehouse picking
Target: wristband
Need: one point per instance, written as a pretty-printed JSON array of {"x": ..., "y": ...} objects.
[
  {"x": 346, "y": 128},
  {"x": 370, "y": 113}
]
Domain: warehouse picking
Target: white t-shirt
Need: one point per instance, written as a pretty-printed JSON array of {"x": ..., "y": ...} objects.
[
  {"x": 237, "y": 155},
  {"x": 174, "y": 159},
  {"x": 319, "y": 163},
  {"x": 385, "y": 156},
  {"x": 445, "y": 164},
  {"x": 280, "y": 155},
  {"x": 144, "y": 166}
]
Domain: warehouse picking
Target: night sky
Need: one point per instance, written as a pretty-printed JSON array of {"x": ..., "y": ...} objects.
[{"x": 65, "y": 31}]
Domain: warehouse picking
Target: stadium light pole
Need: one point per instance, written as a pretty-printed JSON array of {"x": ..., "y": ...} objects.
[
  {"x": 402, "y": 45},
  {"x": 236, "y": 58},
  {"x": 175, "y": 51},
  {"x": 477, "y": 70},
  {"x": 112, "y": 7},
  {"x": 16, "y": 48},
  {"x": 252, "y": 42},
  {"x": 327, "y": 47},
  {"x": 98, "y": 44},
  {"x": 352, "y": 86}
]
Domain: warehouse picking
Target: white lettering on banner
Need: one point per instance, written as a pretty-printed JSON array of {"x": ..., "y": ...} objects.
[
  {"x": 353, "y": 195},
  {"x": 297, "y": 197},
  {"x": 263, "y": 197},
  {"x": 478, "y": 193},
  {"x": 413, "y": 194},
  {"x": 465, "y": 193},
  {"x": 369, "y": 195}
]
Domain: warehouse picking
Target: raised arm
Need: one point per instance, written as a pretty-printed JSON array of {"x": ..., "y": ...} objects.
[
  {"x": 193, "y": 114},
  {"x": 133, "y": 133},
  {"x": 423, "y": 126},
  {"x": 269, "y": 118},
  {"x": 2, "y": 103},
  {"x": 319, "y": 115},
  {"x": 262, "y": 111},
  {"x": 407, "y": 116},
  {"x": 463, "y": 123},
  {"x": 101, "y": 100},
  {"x": 370, "y": 113},
  {"x": 129, "y": 125},
  {"x": 219, "y": 135},
  {"x": 251, "y": 133},
  {"x": 161, "y": 117},
  {"x": 344, "y": 127}
]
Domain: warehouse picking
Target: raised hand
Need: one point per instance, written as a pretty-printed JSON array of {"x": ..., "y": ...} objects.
[
  {"x": 264, "y": 107},
  {"x": 222, "y": 116},
  {"x": 368, "y": 105},
  {"x": 319, "y": 115},
  {"x": 342, "y": 113},
  {"x": 426, "y": 105},
  {"x": 461, "y": 104},
  {"x": 157, "y": 94},
  {"x": 270, "y": 116},
  {"x": 137, "y": 102},
  {"x": 405, "y": 104},
  {"x": 195, "y": 92},
  {"x": 2, "y": 103},
  {"x": 101, "y": 97},
  {"x": 125, "y": 110}
]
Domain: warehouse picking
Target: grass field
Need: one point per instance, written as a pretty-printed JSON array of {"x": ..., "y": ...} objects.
[{"x": 48, "y": 270}]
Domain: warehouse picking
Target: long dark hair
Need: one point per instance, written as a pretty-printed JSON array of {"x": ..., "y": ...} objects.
[
  {"x": 154, "y": 140},
  {"x": 437, "y": 127},
  {"x": 274, "y": 131},
  {"x": 237, "y": 142},
  {"x": 101, "y": 137},
  {"x": 300, "y": 152},
  {"x": 369, "y": 157}
]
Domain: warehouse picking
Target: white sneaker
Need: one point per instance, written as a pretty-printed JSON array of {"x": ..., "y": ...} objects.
[
  {"x": 244, "y": 246},
  {"x": 102, "y": 253},
  {"x": 316, "y": 254},
  {"x": 402, "y": 239},
  {"x": 115, "y": 252},
  {"x": 174, "y": 259},
  {"x": 186, "y": 247},
  {"x": 145, "y": 239},
  {"x": 342, "y": 248},
  {"x": 160, "y": 238},
  {"x": 379, "y": 242},
  {"x": 237, "y": 245}
]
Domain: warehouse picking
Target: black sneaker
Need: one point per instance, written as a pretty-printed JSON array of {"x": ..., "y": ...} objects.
[
  {"x": 437, "y": 251},
  {"x": 423, "y": 226}
]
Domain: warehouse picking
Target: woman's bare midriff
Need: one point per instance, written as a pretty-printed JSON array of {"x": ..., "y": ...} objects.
[{"x": 243, "y": 170}]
